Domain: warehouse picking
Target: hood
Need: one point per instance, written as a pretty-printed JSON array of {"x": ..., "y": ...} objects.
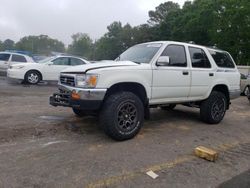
[{"x": 99, "y": 65}]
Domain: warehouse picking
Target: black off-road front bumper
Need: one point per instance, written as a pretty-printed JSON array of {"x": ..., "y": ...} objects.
[{"x": 90, "y": 99}]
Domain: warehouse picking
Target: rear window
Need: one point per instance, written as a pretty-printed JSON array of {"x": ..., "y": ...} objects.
[
  {"x": 222, "y": 59},
  {"x": 18, "y": 58},
  {"x": 4, "y": 57}
]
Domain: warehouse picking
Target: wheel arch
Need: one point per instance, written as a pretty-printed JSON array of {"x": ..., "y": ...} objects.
[
  {"x": 134, "y": 87},
  {"x": 39, "y": 72},
  {"x": 223, "y": 89}
]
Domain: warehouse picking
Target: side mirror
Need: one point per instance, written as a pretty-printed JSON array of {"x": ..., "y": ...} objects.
[
  {"x": 163, "y": 61},
  {"x": 50, "y": 63}
]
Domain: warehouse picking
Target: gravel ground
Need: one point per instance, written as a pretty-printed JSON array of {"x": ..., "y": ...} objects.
[{"x": 44, "y": 146}]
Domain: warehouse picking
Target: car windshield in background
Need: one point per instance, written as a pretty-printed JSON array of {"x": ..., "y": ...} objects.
[
  {"x": 142, "y": 53},
  {"x": 222, "y": 59},
  {"x": 46, "y": 60}
]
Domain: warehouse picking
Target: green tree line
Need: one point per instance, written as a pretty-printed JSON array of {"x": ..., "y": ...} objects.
[{"x": 221, "y": 23}]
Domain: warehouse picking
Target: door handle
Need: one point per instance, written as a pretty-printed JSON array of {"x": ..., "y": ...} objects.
[
  {"x": 185, "y": 72},
  {"x": 211, "y": 74}
]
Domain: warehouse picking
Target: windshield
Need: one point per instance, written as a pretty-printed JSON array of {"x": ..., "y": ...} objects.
[
  {"x": 142, "y": 53},
  {"x": 46, "y": 60}
]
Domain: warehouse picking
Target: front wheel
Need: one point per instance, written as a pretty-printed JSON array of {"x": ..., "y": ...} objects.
[
  {"x": 122, "y": 116},
  {"x": 213, "y": 109},
  {"x": 32, "y": 77}
]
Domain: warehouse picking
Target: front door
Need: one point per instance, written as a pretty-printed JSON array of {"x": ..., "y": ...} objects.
[
  {"x": 52, "y": 70},
  {"x": 172, "y": 82}
]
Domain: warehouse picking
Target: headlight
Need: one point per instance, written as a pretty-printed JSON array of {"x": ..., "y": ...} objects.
[
  {"x": 86, "y": 80},
  {"x": 16, "y": 67}
]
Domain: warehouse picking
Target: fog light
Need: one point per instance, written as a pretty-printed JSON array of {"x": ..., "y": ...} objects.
[{"x": 75, "y": 95}]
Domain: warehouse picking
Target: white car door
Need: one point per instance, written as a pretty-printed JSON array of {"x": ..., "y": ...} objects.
[
  {"x": 15, "y": 59},
  {"x": 202, "y": 73},
  {"x": 51, "y": 70},
  {"x": 172, "y": 82},
  {"x": 4, "y": 61}
]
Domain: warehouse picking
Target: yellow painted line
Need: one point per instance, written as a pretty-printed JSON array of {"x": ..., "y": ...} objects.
[{"x": 163, "y": 166}]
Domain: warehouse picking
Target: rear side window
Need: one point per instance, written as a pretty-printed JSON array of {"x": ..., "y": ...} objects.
[
  {"x": 18, "y": 58},
  {"x": 75, "y": 61},
  {"x": 4, "y": 57},
  {"x": 61, "y": 61},
  {"x": 176, "y": 55},
  {"x": 222, "y": 59},
  {"x": 199, "y": 58}
]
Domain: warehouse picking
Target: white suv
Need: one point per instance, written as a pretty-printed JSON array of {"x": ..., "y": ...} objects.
[
  {"x": 10, "y": 58},
  {"x": 156, "y": 74}
]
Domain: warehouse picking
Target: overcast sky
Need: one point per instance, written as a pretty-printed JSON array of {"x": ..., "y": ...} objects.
[{"x": 61, "y": 18}]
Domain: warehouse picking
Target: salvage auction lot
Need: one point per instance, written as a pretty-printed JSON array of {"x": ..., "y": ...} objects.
[{"x": 44, "y": 146}]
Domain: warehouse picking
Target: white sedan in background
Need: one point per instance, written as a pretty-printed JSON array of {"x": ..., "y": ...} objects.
[{"x": 48, "y": 69}]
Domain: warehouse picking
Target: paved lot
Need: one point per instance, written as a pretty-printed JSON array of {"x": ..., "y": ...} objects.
[{"x": 44, "y": 146}]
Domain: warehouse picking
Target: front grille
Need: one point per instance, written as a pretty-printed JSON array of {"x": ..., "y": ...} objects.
[{"x": 67, "y": 80}]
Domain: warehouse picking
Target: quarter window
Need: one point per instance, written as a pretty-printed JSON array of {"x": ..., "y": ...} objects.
[
  {"x": 18, "y": 58},
  {"x": 4, "y": 57},
  {"x": 222, "y": 59},
  {"x": 199, "y": 58},
  {"x": 176, "y": 55},
  {"x": 61, "y": 61}
]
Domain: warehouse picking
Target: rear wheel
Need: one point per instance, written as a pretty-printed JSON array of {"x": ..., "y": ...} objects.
[
  {"x": 213, "y": 109},
  {"x": 32, "y": 77},
  {"x": 122, "y": 116}
]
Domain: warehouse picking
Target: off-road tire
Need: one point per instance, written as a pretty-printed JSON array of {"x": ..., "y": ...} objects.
[
  {"x": 117, "y": 122},
  {"x": 213, "y": 109},
  {"x": 168, "y": 107},
  {"x": 27, "y": 77},
  {"x": 78, "y": 112}
]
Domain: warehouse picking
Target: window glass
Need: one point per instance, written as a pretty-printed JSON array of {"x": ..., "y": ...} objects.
[
  {"x": 176, "y": 55},
  {"x": 75, "y": 61},
  {"x": 61, "y": 61},
  {"x": 199, "y": 58},
  {"x": 4, "y": 57},
  {"x": 222, "y": 59},
  {"x": 142, "y": 53},
  {"x": 18, "y": 58}
]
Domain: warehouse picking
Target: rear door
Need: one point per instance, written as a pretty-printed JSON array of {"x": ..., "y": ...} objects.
[
  {"x": 4, "y": 61},
  {"x": 15, "y": 59},
  {"x": 172, "y": 82},
  {"x": 202, "y": 72}
]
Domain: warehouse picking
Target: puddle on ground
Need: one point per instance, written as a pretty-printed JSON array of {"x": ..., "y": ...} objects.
[{"x": 52, "y": 118}]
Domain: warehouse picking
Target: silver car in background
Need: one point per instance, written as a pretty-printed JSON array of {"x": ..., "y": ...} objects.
[{"x": 245, "y": 84}]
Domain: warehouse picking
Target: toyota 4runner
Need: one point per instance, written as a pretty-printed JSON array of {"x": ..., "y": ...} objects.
[{"x": 156, "y": 74}]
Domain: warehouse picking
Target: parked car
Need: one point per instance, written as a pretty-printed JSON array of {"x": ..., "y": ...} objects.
[
  {"x": 47, "y": 69},
  {"x": 244, "y": 84},
  {"x": 9, "y": 58},
  {"x": 157, "y": 74}
]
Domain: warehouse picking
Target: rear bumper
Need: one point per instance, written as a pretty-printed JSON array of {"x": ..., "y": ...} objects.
[
  {"x": 234, "y": 94},
  {"x": 90, "y": 99}
]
